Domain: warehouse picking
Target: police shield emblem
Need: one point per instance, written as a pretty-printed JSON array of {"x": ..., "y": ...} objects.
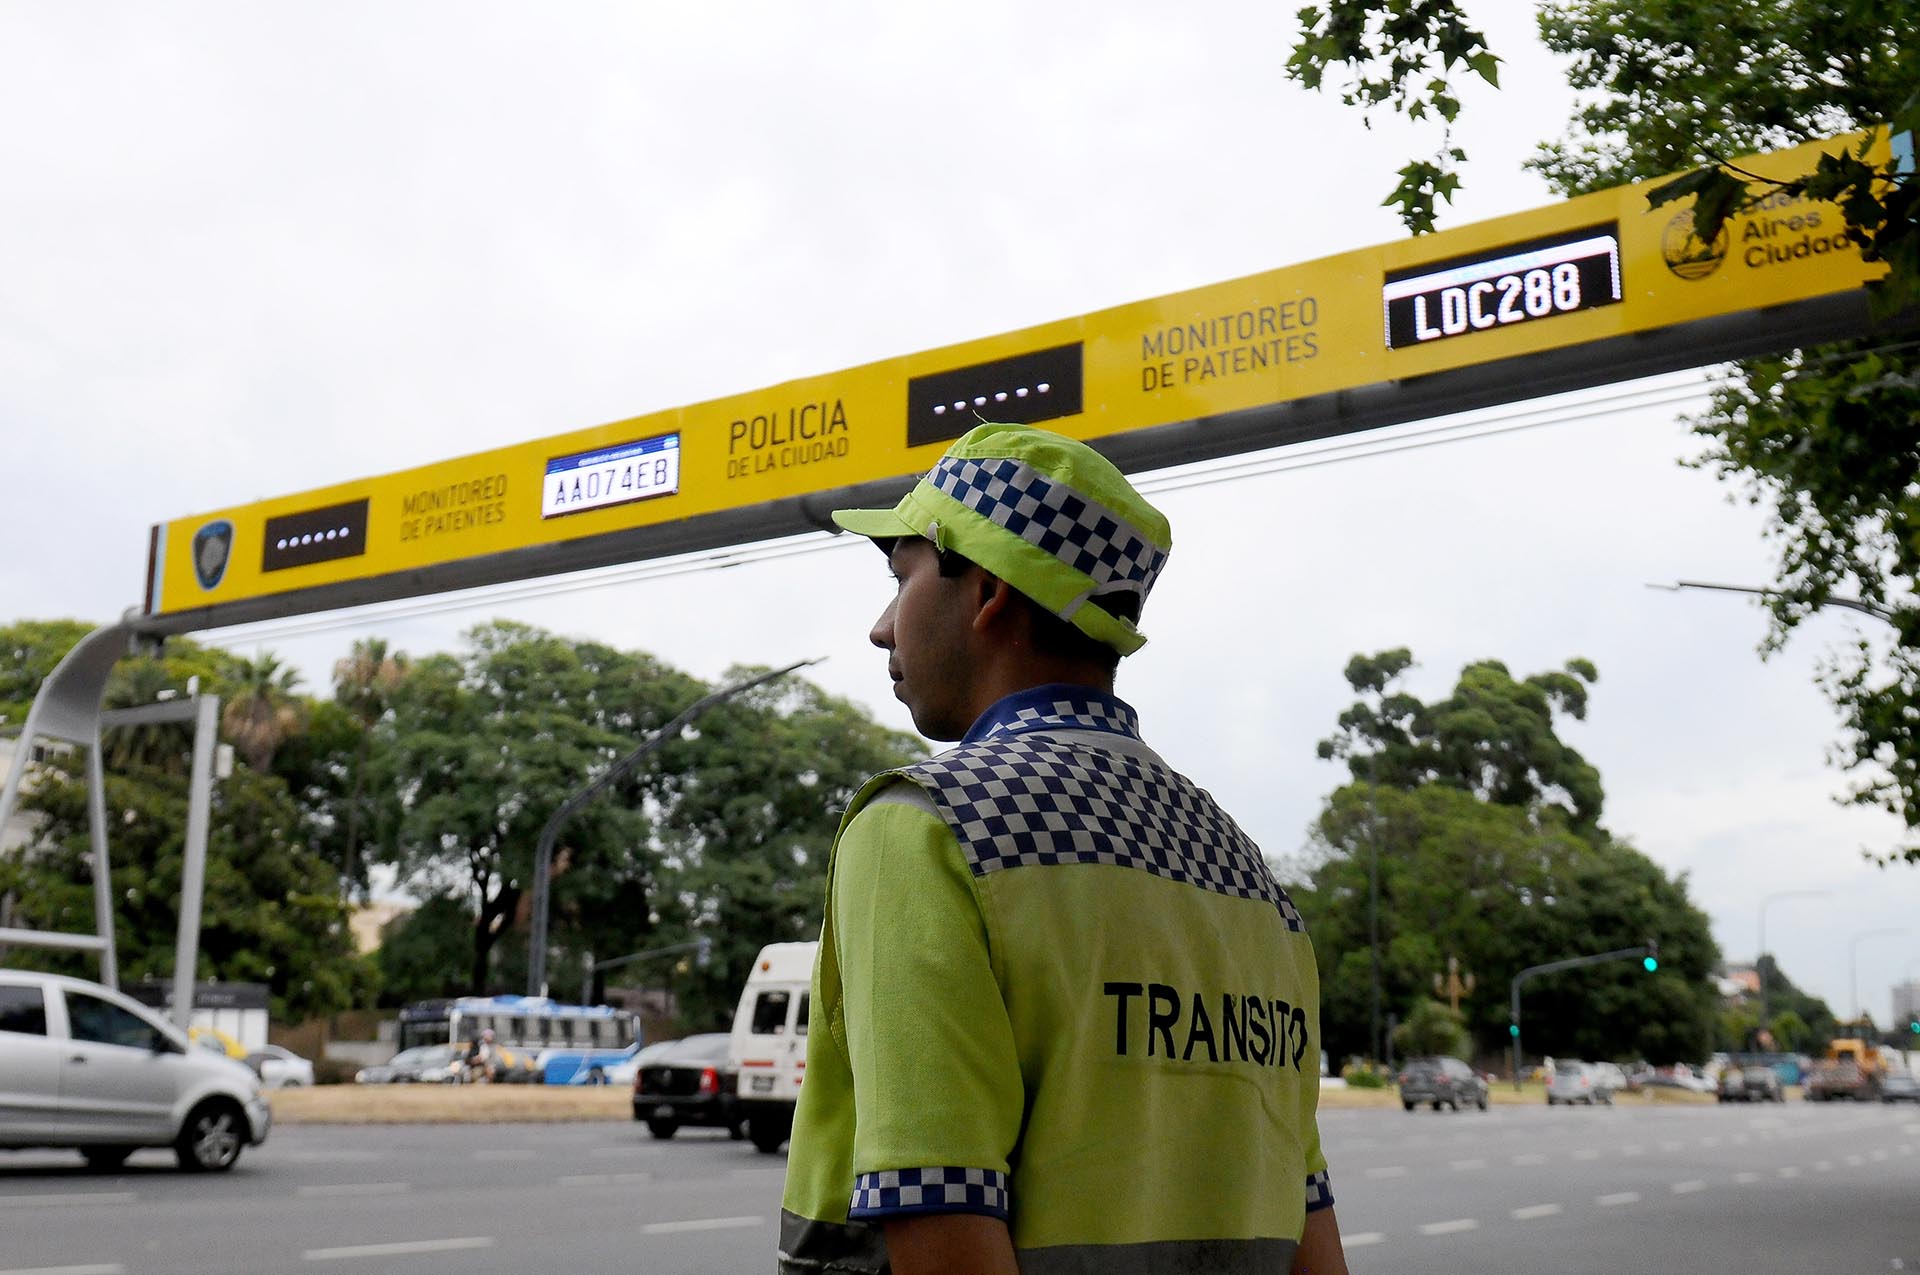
[{"x": 212, "y": 550}]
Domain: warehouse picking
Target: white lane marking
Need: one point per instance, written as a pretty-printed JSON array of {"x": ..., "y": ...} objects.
[
  {"x": 1689, "y": 1186},
  {"x": 1741, "y": 1139},
  {"x": 1790, "y": 1171},
  {"x": 356, "y": 1188},
  {"x": 699, "y": 1224},
  {"x": 1361, "y": 1239},
  {"x": 111, "y": 1268},
  {"x": 1633, "y": 1148},
  {"x": 398, "y": 1249},
  {"x": 604, "y": 1179},
  {"x": 1823, "y": 1166},
  {"x": 1669, "y": 1146},
  {"x": 1529, "y": 1159},
  {"x": 1387, "y": 1171},
  {"x": 507, "y": 1154},
  {"x": 1586, "y": 1153},
  {"x": 1618, "y": 1197},
  {"x": 1461, "y": 1166},
  {"x": 1744, "y": 1178},
  {"x": 1532, "y": 1211},
  {"x": 637, "y": 1150},
  {"x": 1454, "y": 1227},
  {"x": 1878, "y": 1154},
  {"x": 1709, "y": 1142},
  {"x": 1910, "y": 1128},
  {"x": 58, "y": 1201}
]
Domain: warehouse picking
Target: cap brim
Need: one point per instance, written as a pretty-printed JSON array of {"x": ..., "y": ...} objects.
[{"x": 876, "y": 524}]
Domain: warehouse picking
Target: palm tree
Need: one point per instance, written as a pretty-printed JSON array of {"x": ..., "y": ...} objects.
[
  {"x": 262, "y": 712},
  {"x": 363, "y": 684}
]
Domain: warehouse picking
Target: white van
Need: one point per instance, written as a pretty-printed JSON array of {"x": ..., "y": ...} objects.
[{"x": 769, "y": 1046}]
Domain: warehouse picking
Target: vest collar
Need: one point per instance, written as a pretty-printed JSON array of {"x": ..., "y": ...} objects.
[{"x": 1059, "y": 706}]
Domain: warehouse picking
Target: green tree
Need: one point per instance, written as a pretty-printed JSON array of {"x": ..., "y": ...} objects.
[
  {"x": 32, "y": 648},
  {"x": 261, "y": 709},
  {"x": 1432, "y": 1028},
  {"x": 1504, "y": 873},
  {"x": 363, "y": 683},
  {"x": 427, "y": 952},
  {"x": 271, "y": 912},
  {"x": 1828, "y": 439}
]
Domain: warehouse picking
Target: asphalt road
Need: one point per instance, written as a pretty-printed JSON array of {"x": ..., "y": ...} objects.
[{"x": 1518, "y": 1189}]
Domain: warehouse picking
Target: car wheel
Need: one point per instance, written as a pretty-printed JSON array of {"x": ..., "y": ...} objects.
[
  {"x": 1453, "y": 1104},
  {"x": 737, "y": 1131},
  {"x": 596, "y": 1077},
  {"x": 663, "y": 1127},
  {"x": 1483, "y": 1102},
  {"x": 769, "y": 1133},
  {"x": 1436, "y": 1104},
  {"x": 105, "y": 1159},
  {"x": 211, "y": 1140},
  {"x": 1408, "y": 1105}
]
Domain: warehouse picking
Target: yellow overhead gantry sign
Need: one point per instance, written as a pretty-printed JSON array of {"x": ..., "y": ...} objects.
[{"x": 1595, "y": 289}]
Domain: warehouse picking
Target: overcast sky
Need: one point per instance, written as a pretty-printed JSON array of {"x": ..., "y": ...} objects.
[{"x": 251, "y": 249}]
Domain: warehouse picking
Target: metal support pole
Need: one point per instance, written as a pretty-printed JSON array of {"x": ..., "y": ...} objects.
[
  {"x": 102, "y": 869},
  {"x": 193, "y": 874}
]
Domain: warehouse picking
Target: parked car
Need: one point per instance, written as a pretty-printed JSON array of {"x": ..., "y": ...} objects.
[
  {"x": 1750, "y": 1084},
  {"x": 280, "y": 1068},
  {"x": 1899, "y": 1086},
  {"x": 82, "y": 1066},
  {"x": 1574, "y": 1081},
  {"x": 1611, "y": 1078},
  {"x": 688, "y": 1082},
  {"x": 421, "y": 1065},
  {"x": 1439, "y": 1081},
  {"x": 218, "y": 1041}
]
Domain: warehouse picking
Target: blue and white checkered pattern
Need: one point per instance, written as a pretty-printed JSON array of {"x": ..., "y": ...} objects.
[
  {"x": 895, "y": 1191},
  {"x": 1319, "y": 1191},
  {"x": 1071, "y": 712},
  {"x": 1088, "y": 537},
  {"x": 1022, "y": 800}
]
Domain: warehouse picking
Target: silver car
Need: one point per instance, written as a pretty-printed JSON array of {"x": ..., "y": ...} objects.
[{"x": 82, "y": 1066}]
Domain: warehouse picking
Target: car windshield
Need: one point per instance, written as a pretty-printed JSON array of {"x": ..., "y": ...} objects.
[{"x": 1569, "y": 1069}]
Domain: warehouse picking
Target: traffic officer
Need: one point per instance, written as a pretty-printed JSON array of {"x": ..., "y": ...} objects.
[{"x": 1064, "y": 1018}]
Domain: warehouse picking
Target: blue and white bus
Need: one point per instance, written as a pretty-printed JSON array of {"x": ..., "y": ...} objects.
[{"x": 568, "y": 1042}]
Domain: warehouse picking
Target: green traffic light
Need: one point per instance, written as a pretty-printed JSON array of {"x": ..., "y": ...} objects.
[
  {"x": 1651, "y": 963},
  {"x": 1513, "y": 1029}
]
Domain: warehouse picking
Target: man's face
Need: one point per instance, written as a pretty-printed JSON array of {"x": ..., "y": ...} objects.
[{"x": 927, "y": 632}]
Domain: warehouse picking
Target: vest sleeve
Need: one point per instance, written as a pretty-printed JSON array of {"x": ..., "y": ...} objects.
[{"x": 938, "y": 1095}]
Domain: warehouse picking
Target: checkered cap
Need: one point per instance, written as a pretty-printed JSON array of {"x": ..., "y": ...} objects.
[
  {"x": 894, "y": 1191},
  {"x": 1028, "y": 800},
  {"x": 1047, "y": 514},
  {"x": 1085, "y": 535}
]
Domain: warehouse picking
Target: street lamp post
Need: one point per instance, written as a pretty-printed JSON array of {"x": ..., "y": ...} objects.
[
  {"x": 1758, "y": 967},
  {"x": 1873, "y": 609},
  {"x": 1853, "y": 953}
]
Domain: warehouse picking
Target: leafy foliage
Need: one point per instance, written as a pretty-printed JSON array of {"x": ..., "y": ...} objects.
[
  {"x": 1401, "y": 55},
  {"x": 1827, "y": 439},
  {"x": 1432, "y": 1028},
  {"x": 1483, "y": 828}
]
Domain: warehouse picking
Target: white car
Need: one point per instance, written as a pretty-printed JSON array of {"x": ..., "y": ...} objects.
[
  {"x": 1574, "y": 1081},
  {"x": 82, "y": 1066},
  {"x": 281, "y": 1068}
]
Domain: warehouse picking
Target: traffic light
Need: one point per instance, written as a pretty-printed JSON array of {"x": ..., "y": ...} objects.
[
  {"x": 1914, "y": 1026},
  {"x": 1651, "y": 961},
  {"x": 1513, "y": 1029}
]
